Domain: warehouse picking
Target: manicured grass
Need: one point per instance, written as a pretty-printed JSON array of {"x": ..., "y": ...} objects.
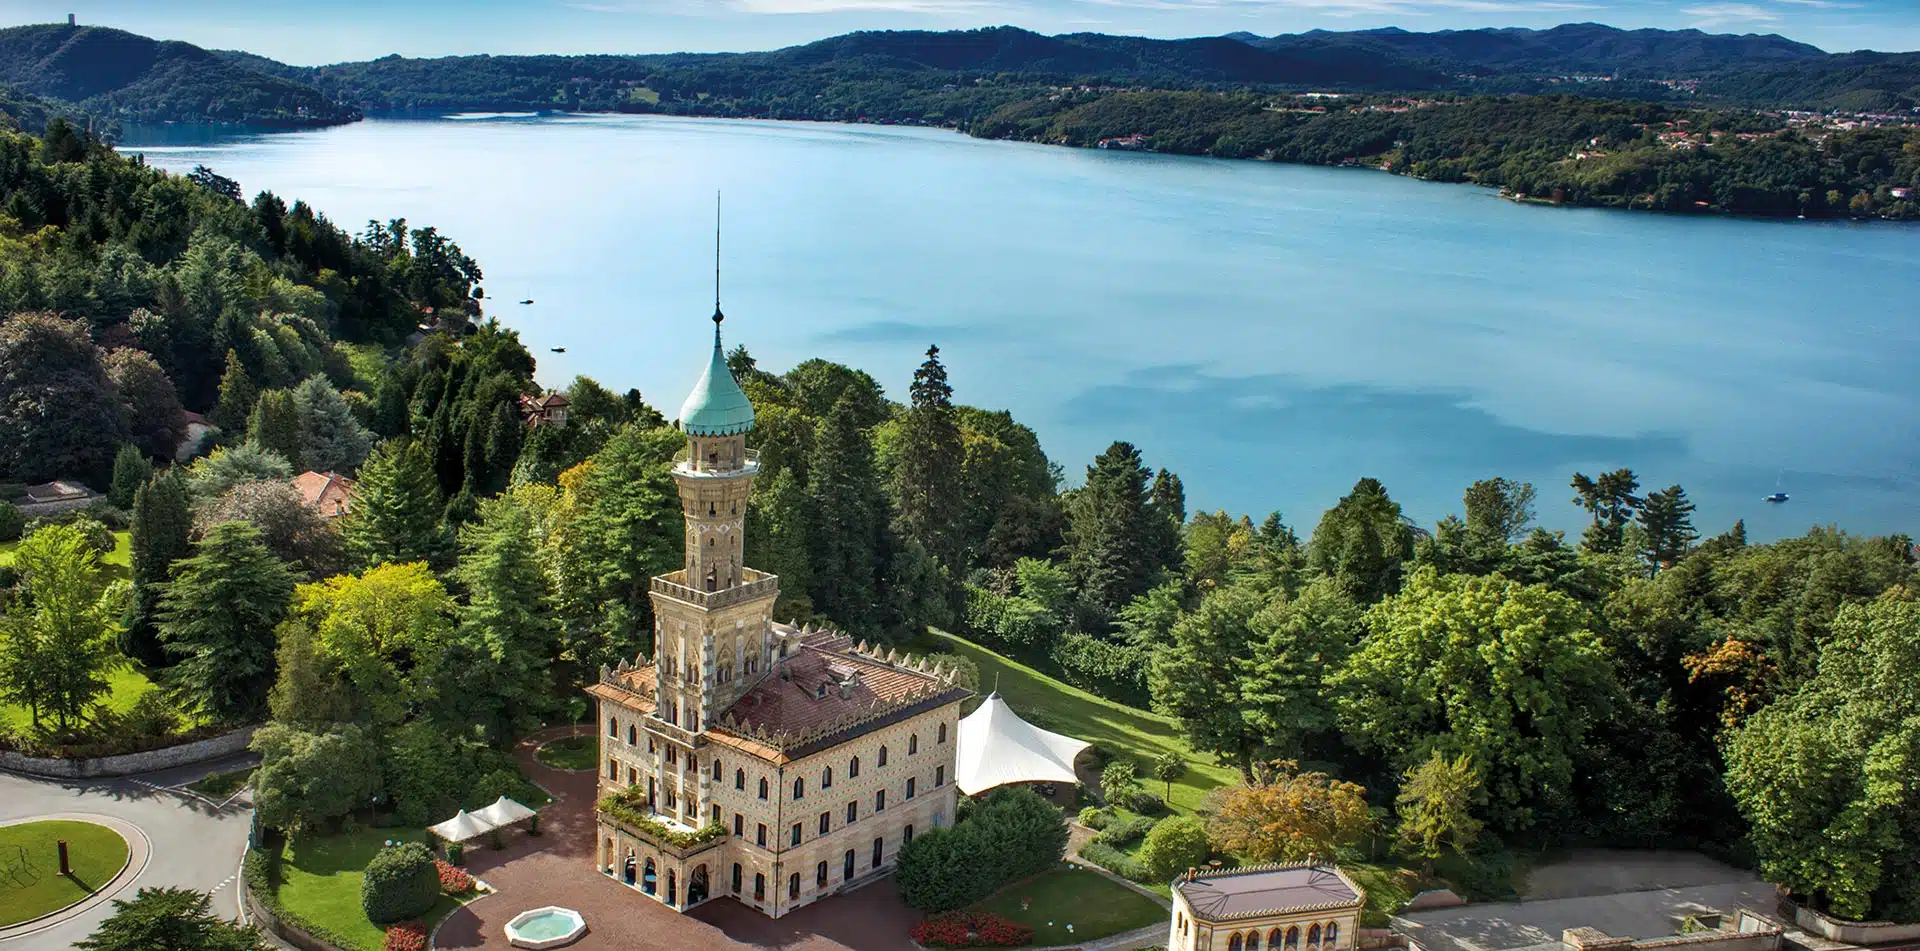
[
  {"x": 1093, "y": 904},
  {"x": 572, "y": 752},
  {"x": 221, "y": 785},
  {"x": 320, "y": 883},
  {"x": 1121, "y": 729},
  {"x": 30, "y": 881},
  {"x": 125, "y": 685}
]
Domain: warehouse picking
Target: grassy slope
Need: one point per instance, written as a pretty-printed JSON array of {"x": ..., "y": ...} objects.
[
  {"x": 124, "y": 686},
  {"x": 320, "y": 882},
  {"x": 30, "y": 880},
  {"x": 1117, "y": 727},
  {"x": 1094, "y": 906}
]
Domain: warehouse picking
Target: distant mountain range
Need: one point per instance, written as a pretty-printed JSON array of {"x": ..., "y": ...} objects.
[{"x": 119, "y": 75}]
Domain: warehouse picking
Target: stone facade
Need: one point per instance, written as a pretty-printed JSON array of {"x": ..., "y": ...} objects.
[
  {"x": 772, "y": 764},
  {"x": 1299, "y": 906}
]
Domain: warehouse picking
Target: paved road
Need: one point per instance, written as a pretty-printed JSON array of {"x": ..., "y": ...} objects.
[{"x": 192, "y": 843}]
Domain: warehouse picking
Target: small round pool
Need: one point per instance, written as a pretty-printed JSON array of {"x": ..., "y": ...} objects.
[{"x": 548, "y": 927}]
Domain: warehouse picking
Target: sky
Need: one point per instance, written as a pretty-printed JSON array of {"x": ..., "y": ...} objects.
[{"x": 312, "y": 32}]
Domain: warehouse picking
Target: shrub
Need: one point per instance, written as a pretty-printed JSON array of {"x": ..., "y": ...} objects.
[
  {"x": 1096, "y": 818},
  {"x": 453, "y": 881},
  {"x": 152, "y": 716},
  {"x": 407, "y": 936},
  {"x": 402, "y": 882},
  {"x": 1125, "y": 831},
  {"x": 1015, "y": 834},
  {"x": 1115, "y": 861},
  {"x": 993, "y": 931},
  {"x": 1144, "y": 802},
  {"x": 502, "y": 782},
  {"x": 455, "y": 852},
  {"x": 12, "y": 523},
  {"x": 1173, "y": 846},
  {"x": 944, "y": 930}
]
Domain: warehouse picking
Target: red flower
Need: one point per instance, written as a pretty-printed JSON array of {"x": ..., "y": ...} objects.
[
  {"x": 407, "y": 936},
  {"x": 957, "y": 929},
  {"x": 453, "y": 881}
]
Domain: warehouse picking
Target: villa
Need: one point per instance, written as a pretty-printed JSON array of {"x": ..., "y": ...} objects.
[{"x": 1296, "y": 906}]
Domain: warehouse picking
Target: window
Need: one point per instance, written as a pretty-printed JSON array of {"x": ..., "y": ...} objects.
[
  {"x": 716, "y": 770},
  {"x": 613, "y": 768},
  {"x": 673, "y": 755},
  {"x": 633, "y": 775},
  {"x": 800, "y": 788},
  {"x": 826, "y": 822},
  {"x": 633, "y": 735},
  {"x": 826, "y": 779},
  {"x": 1313, "y": 935},
  {"x": 793, "y": 886},
  {"x": 943, "y": 733},
  {"x": 883, "y": 756},
  {"x": 759, "y": 886},
  {"x": 846, "y": 866},
  {"x": 820, "y": 875},
  {"x": 1333, "y": 933},
  {"x": 939, "y": 776},
  {"x": 673, "y": 801},
  {"x": 740, "y": 779},
  {"x": 796, "y": 833},
  {"x": 879, "y": 850},
  {"x": 649, "y": 746},
  {"x": 913, "y": 744},
  {"x": 613, "y": 727},
  {"x": 906, "y": 835},
  {"x": 879, "y": 800},
  {"x": 853, "y": 812},
  {"x": 819, "y": 691},
  {"x": 1274, "y": 939},
  {"x": 739, "y": 824},
  {"x": 853, "y": 768},
  {"x": 736, "y": 878},
  {"x": 714, "y": 813},
  {"x": 761, "y": 838},
  {"x": 1253, "y": 941},
  {"x": 910, "y": 787},
  {"x": 1235, "y": 943},
  {"x": 763, "y": 787},
  {"x": 1293, "y": 938}
]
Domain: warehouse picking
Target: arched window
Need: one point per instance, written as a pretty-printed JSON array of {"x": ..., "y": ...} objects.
[
  {"x": 943, "y": 733},
  {"x": 1235, "y": 943},
  {"x": 883, "y": 756},
  {"x": 1332, "y": 935},
  {"x": 736, "y": 878},
  {"x": 793, "y": 886},
  {"x": 1313, "y": 935},
  {"x": 763, "y": 787},
  {"x": 853, "y": 768},
  {"x": 913, "y": 744},
  {"x": 799, "y": 788},
  {"x": 740, "y": 779},
  {"x": 759, "y": 886},
  {"x": 633, "y": 735},
  {"x": 1274, "y": 939},
  {"x": 649, "y": 882},
  {"x": 820, "y": 875},
  {"x": 716, "y": 769},
  {"x": 1253, "y": 941},
  {"x": 826, "y": 778},
  {"x": 613, "y": 726},
  {"x": 1293, "y": 938}
]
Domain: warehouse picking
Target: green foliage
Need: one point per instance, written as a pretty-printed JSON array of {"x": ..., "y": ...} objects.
[
  {"x": 130, "y": 471},
  {"x": 331, "y": 439},
  {"x": 290, "y": 528},
  {"x": 1611, "y": 500},
  {"x": 1118, "y": 544},
  {"x": 1436, "y": 807},
  {"x": 237, "y": 395},
  {"x": 217, "y": 616},
  {"x": 396, "y": 509},
  {"x": 57, "y": 632},
  {"x": 509, "y": 617},
  {"x": 845, "y": 521},
  {"x": 927, "y": 467},
  {"x": 1115, "y": 861},
  {"x": 622, "y": 528},
  {"x": 57, "y": 404},
  {"x": 228, "y": 466},
  {"x": 1126, "y": 830},
  {"x": 1169, "y": 766},
  {"x": 162, "y": 534},
  {"x": 629, "y": 806},
  {"x": 274, "y": 426},
  {"x": 401, "y": 883},
  {"x": 1119, "y": 779},
  {"x": 12, "y": 522},
  {"x": 149, "y": 404},
  {"x": 307, "y": 780},
  {"x": 1173, "y": 846},
  {"x": 384, "y": 630},
  {"x": 1362, "y": 541},
  {"x": 170, "y": 919},
  {"x": 1095, "y": 817},
  {"x": 1013, "y": 835},
  {"x": 1195, "y": 677}
]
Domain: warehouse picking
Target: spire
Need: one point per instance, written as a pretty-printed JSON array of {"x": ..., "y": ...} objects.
[
  {"x": 717, "y": 315},
  {"x": 716, "y": 407}
]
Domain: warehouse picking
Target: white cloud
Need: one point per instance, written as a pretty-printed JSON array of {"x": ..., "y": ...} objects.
[
  {"x": 1822, "y": 4},
  {"x": 1720, "y": 14},
  {"x": 1336, "y": 8}
]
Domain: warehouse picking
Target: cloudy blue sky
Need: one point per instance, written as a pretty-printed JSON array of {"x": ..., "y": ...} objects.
[{"x": 324, "y": 31}]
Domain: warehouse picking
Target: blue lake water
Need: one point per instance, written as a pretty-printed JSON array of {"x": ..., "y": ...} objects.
[{"x": 1270, "y": 332}]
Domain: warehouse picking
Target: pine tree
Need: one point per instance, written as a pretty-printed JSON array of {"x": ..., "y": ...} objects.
[
  {"x": 218, "y": 616},
  {"x": 509, "y": 612},
  {"x": 1667, "y": 518},
  {"x": 1611, "y": 500},
  {"x": 130, "y": 472},
  {"x": 504, "y": 436},
  {"x": 777, "y": 541},
  {"x": 169, "y": 919},
  {"x": 237, "y": 393},
  {"x": 1363, "y": 542},
  {"x": 396, "y": 509},
  {"x": 331, "y": 439},
  {"x": 1169, "y": 501},
  {"x": 926, "y": 475},
  {"x": 274, "y": 426},
  {"x": 162, "y": 534},
  {"x": 1115, "y": 536},
  {"x": 845, "y": 516}
]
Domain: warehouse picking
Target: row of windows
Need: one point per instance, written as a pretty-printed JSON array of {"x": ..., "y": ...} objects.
[
  {"x": 1278, "y": 939},
  {"x": 847, "y": 870}
]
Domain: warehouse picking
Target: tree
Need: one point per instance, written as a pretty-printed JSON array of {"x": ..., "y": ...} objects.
[
  {"x": 776, "y": 541},
  {"x": 170, "y": 919},
  {"x": 1196, "y": 677},
  {"x": 1013, "y": 835},
  {"x": 1298, "y": 642},
  {"x": 309, "y": 689},
  {"x": 1667, "y": 518},
  {"x": 401, "y": 883},
  {"x": 385, "y": 629},
  {"x": 215, "y": 182},
  {"x": 331, "y": 439},
  {"x": 289, "y": 527},
  {"x": 275, "y": 425},
  {"x": 229, "y": 466},
  {"x": 307, "y": 780},
  {"x": 237, "y": 394},
  {"x": 155, "y": 420},
  {"x": 845, "y": 518},
  {"x": 396, "y": 508},
  {"x": 1285, "y": 816},
  {"x": 619, "y": 526},
  {"x": 1509, "y": 675},
  {"x": 58, "y": 407},
  {"x": 1362, "y": 542},
  {"x": 1824, "y": 774},
  {"x": 928, "y": 467},
  {"x": 1611, "y": 500},
  {"x": 1174, "y": 845},
  {"x": 130, "y": 472},
  {"x": 162, "y": 533},
  {"x": 1115, "y": 536},
  {"x": 1119, "y": 781},
  {"x": 509, "y": 614},
  {"x": 1499, "y": 510},
  {"x": 1168, "y": 767},
  {"x": 57, "y": 636},
  {"x": 218, "y": 616},
  {"x": 1436, "y": 807}
]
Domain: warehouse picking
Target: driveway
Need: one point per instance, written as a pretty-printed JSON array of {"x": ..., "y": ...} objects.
[{"x": 187, "y": 842}]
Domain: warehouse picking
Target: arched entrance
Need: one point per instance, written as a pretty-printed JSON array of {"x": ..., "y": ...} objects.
[
  {"x": 629, "y": 870},
  {"x": 649, "y": 882},
  {"x": 697, "y": 886},
  {"x": 673, "y": 888}
]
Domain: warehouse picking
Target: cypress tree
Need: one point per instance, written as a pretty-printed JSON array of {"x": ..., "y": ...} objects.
[
  {"x": 130, "y": 471},
  {"x": 274, "y": 425},
  {"x": 845, "y": 516},
  {"x": 926, "y": 477},
  {"x": 777, "y": 541},
  {"x": 218, "y": 616},
  {"x": 504, "y": 436},
  {"x": 162, "y": 533},
  {"x": 1116, "y": 535},
  {"x": 1362, "y": 542},
  {"x": 396, "y": 509},
  {"x": 237, "y": 393}
]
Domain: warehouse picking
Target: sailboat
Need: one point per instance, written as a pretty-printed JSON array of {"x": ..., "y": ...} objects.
[{"x": 1778, "y": 496}]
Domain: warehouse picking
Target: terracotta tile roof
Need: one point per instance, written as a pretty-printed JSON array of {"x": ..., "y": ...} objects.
[
  {"x": 328, "y": 492},
  {"x": 1266, "y": 890},
  {"x": 632, "y": 688}
]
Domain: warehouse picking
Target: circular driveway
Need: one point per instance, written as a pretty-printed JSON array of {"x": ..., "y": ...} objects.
[{"x": 175, "y": 839}]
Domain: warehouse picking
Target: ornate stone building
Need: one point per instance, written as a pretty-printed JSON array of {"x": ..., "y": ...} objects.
[
  {"x": 772, "y": 764},
  {"x": 1297, "y": 906}
]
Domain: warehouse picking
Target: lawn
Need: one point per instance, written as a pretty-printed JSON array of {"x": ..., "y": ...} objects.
[
  {"x": 221, "y": 785},
  {"x": 572, "y": 752},
  {"x": 30, "y": 881},
  {"x": 119, "y": 561},
  {"x": 1117, "y": 727},
  {"x": 1095, "y": 905},
  {"x": 320, "y": 884},
  {"x": 124, "y": 686}
]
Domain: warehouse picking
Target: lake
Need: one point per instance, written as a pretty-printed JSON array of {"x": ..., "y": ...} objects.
[{"x": 1270, "y": 332}]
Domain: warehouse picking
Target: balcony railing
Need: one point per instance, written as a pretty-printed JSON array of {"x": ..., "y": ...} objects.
[
  {"x": 755, "y": 584},
  {"x": 685, "y": 463}
]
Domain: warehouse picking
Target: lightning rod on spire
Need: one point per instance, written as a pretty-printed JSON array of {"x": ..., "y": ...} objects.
[{"x": 717, "y": 316}]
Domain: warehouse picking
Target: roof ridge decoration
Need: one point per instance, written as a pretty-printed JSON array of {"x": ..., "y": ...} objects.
[
  {"x": 1195, "y": 877},
  {"x": 784, "y": 740}
]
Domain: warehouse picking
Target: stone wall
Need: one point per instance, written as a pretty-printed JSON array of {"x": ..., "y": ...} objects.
[
  {"x": 1854, "y": 932},
  {"x": 1751, "y": 932},
  {"x": 166, "y": 757}
]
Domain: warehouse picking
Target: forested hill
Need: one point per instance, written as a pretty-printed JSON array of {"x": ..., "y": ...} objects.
[
  {"x": 114, "y": 74},
  {"x": 1569, "y": 48}
]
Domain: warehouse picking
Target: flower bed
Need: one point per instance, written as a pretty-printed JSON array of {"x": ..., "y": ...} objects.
[
  {"x": 407, "y": 936},
  {"x": 960, "y": 929},
  {"x": 453, "y": 881}
]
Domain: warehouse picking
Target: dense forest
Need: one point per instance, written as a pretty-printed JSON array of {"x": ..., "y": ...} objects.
[{"x": 1649, "y": 683}]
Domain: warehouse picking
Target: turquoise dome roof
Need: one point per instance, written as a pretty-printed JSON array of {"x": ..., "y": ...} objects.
[{"x": 716, "y": 407}]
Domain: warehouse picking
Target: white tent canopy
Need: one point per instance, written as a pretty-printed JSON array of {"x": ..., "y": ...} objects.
[
  {"x": 503, "y": 812},
  {"x": 463, "y": 826},
  {"x": 996, "y": 747}
]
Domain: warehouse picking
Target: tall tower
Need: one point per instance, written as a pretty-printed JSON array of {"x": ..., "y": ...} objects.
[{"x": 713, "y": 618}]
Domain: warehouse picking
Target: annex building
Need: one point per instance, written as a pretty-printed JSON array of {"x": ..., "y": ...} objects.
[
  {"x": 772, "y": 764},
  {"x": 1295, "y": 906}
]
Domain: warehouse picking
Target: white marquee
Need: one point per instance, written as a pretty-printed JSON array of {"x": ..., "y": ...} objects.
[{"x": 996, "y": 747}]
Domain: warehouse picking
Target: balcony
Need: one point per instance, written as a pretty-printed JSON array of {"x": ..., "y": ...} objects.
[
  {"x": 758, "y": 584},
  {"x": 685, "y": 464},
  {"x": 628, "y": 809}
]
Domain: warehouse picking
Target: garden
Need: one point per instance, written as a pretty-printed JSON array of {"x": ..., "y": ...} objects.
[
  {"x": 30, "y": 881},
  {"x": 1068, "y": 905},
  {"x": 570, "y": 752},
  {"x": 320, "y": 884}
]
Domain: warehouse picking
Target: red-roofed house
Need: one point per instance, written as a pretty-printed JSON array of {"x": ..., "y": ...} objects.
[
  {"x": 547, "y": 409},
  {"x": 328, "y": 493}
]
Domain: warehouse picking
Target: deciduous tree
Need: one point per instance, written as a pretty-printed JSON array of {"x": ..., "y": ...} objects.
[
  {"x": 1286, "y": 815},
  {"x": 1436, "y": 807},
  {"x": 155, "y": 420},
  {"x": 58, "y": 407},
  {"x": 57, "y": 635}
]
